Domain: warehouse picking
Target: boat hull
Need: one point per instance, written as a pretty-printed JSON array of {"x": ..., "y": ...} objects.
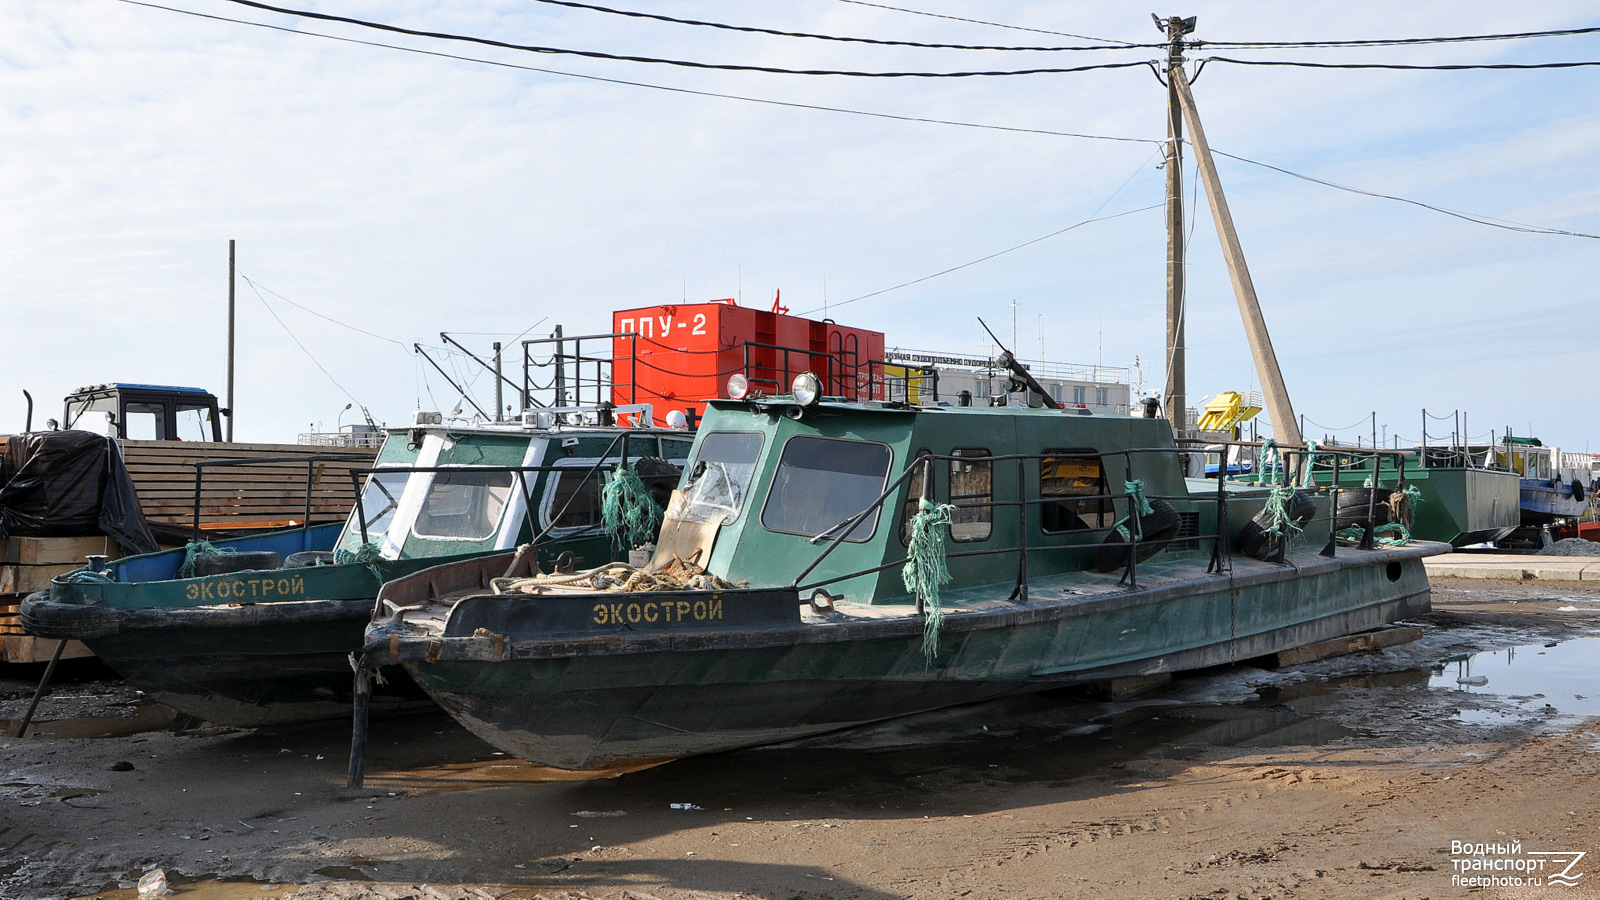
[
  {"x": 247, "y": 666},
  {"x": 1543, "y": 502},
  {"x": 593, "y": 702}
]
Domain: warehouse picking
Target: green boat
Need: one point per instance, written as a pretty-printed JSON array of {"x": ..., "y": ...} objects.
[
  {"x": 1075, "y": 550},
  {"x": 1457, "y": 500},
  {"x": 260, "y": 630}
]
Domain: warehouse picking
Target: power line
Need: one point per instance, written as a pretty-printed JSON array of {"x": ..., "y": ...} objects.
[
  {"x": 824, "y": 37},
  {"x": 1481, "y": 220},
  {"x": 274, "y": 314},
  {"x": 1395, "y": 42},
  {"x": 259, "y": 287},
  {"x": 918, "y": 12},
  {"x": 641, "y": 84},
  {"x": 1531, "y": 229},
  {"x": 989, "y": 257},
  {"x": 1437, "y": 68},
  {"x": 653, "y": 60}
]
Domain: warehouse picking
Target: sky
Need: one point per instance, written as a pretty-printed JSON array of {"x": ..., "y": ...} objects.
[{"x": 381, "y": 196}]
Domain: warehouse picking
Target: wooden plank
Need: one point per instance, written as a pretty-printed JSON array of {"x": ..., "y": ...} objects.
[
  {"x": 27, "y": 579},
  {"x": 1354, "y": 643},
  {"x": 30, "y": 649},
  {"x": 40, "y": 551}
]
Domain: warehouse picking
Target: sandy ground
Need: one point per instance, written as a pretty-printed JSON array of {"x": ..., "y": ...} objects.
[{"x": 1342, "y": 778}]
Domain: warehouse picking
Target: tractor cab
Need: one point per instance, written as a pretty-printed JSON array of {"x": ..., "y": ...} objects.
[{"x": 145, "y": 412}]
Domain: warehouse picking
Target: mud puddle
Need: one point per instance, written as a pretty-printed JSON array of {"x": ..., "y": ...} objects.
[
  {"x": 145, "y": 716},
  {"x": 198, "y": 888},
  {"x": 1554, "y": 681}
]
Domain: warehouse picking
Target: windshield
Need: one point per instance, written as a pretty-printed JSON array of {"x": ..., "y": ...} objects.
[
  {"x": 719, "y": 477},
  {"x": 464, "y": 505},
  {"x": 821, "y": 483},
  {"x": 378, "y": 502}
]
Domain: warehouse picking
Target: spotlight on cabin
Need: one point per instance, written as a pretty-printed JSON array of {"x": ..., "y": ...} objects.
[
  {"x": 807, "y": 390},
  {"x": 738, "y": 386}
]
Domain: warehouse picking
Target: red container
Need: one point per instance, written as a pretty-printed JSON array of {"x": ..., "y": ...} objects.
[{"x": 682, "y": 354}]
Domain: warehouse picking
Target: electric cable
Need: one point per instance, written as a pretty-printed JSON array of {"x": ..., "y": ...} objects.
[
  {"x": 826, "y": 37},
  {"x": 654, "y": 60},
  {"x": 1394, "y": 42},
  {"x": 256, "y": 286},
  {"x": 272, "y": 312},
  {"x": 647, "y": 85},
  {"x": 1481, "y": 220},
  {"x": 918, "y": 12},
  {"x": 1450, "y": 67},
  {"x": 989, "y": 257}
]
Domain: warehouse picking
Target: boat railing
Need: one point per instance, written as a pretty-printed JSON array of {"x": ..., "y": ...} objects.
[
  {"x": 311, "y": 464},
  {"x": 602, "y": 460},
  {"x": 1128, "y": 525}
]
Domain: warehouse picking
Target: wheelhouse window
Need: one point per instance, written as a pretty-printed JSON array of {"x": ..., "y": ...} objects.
[
  {"x": 971, "y": 490},
  {"x": 574, "y": 501},
  {"x": 719, "y": 477},
  {"x": 464, "y": 505},
  {"x": 822, "y": 483},
  {"x": 378, "y": 502},
  {"x": 1073, "y": 484}
]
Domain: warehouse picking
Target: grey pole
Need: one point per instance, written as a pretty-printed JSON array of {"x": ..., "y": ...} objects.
[
  {"x": 1177, "y": 383},
  {"x": 230, "y": 342}
]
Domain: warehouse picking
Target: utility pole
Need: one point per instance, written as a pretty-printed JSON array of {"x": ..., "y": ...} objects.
[
  {"x": 230, "y": 341},
  {"x": 1285, "y": 427},
  {"x": 1177, "y": 399}
]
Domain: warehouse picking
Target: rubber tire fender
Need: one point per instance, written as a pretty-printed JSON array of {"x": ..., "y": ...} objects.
[
  {"x": 1351, "y": 509},
  {"x": 66, "y": 622},
  {"x": 1577, "y": 490},
  {"x": 245, "y": 560},
  {"x": 308, "y": 558},
  {"x": 1253, "y": 540},
  {"x": 1159, "y": 527}
]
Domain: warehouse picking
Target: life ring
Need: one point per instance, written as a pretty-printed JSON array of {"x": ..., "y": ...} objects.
[
  {"x": 1253, "y": 538},
  {"x": 1157, "y": 527}
]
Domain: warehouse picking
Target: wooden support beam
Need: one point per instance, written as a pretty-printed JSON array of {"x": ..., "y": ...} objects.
[{"x": 1285, "y": 427}]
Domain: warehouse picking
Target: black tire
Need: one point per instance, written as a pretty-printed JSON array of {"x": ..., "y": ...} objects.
[
  {"x": 224, "y": 563},
  {"x": 1253, "y": 539},
  {"x": 307, "y": 558},
  {"x": 1159, "y": 527},
  {"x": 67, "y": 622},
  {"x": 1351, "y": 511},
  {"x": 1577, "y": 490}
]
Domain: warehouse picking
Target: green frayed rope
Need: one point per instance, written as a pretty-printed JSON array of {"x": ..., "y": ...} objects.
[
  {"x": 365, "y": 555},
  {"x": 925, "y": 567},
  {"x": 193, "y": 551},
  {"x": 1279, "y": 522},
  {"x": 1354, "y": 534},
  {"x": 84, "y": 576},
  {"x": 627, "y": 510},
  {"x": 1136, "y": 502}
]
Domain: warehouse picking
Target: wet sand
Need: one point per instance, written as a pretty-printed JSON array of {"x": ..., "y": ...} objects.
[{"x": 1342, "y": 778}]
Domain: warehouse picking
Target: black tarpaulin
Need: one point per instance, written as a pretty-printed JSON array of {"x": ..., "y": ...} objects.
[{"x": 67, "y": 484}]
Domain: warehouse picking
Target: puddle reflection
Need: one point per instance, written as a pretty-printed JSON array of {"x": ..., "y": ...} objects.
[{"x": 1553, "y": 679}]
